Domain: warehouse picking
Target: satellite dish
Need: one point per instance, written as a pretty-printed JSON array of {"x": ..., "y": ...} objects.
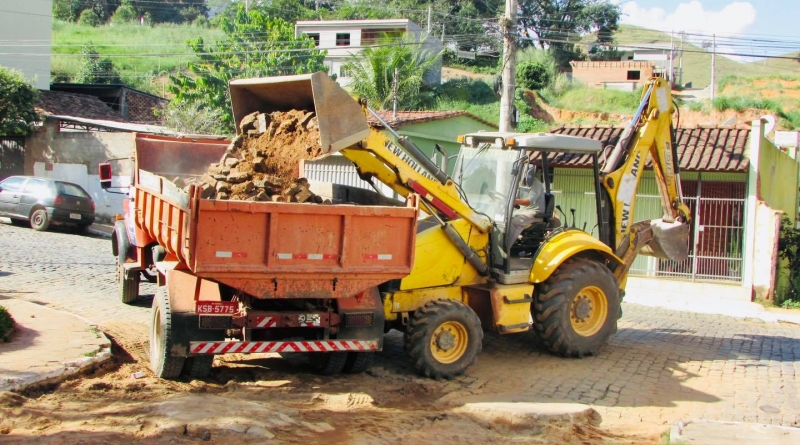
[{"x": 770, "y": 125}]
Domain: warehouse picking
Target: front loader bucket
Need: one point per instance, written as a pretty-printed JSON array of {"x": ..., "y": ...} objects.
[
  {"x": 341, "y": 119},
  {"x": 670, "y": 240}
]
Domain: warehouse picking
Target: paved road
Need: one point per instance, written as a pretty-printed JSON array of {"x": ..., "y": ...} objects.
[{"x": 660, "y": 367}]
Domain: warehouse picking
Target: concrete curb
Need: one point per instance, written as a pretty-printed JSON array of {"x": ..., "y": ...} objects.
[
  {"x": 733, "y": 433},
  {"x": 67, "y": 368}
]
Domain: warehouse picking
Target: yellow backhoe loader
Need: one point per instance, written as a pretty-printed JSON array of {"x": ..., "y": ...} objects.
[{"x": 470, "y": 273}]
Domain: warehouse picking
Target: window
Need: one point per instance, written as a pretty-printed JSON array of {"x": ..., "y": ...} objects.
[
  {"x": 342, "y": 39},
  {"x": 315, "y": 37},
  {"x": 634, "y": 75},
  {"x": 12, "y": 184},
  {"x": 71, "y": 190},
  {"x": 37, "y": 187}
]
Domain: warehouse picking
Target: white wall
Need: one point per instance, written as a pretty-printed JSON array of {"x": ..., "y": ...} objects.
[{"x": 26, "y": 27}]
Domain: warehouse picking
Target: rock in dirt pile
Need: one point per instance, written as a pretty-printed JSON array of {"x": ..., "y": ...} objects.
[{"x": 262, "y": 164}]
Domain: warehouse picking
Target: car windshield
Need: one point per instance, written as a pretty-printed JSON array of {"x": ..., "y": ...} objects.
[
  {"x": 485, "y": 176},
  {"x": 71, "y": 190}
]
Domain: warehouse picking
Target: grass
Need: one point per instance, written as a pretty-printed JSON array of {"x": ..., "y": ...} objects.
[
  {"x": 743, "y": 92},
  {"x": 137, "y": 51},
  {"x": 6, "y": 324},
  {"x": 594, "y": 100}
]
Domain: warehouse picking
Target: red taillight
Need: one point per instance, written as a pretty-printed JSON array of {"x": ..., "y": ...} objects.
[
  {"x": 93, "y": 206},
  {"x": 58, "y": 201}
]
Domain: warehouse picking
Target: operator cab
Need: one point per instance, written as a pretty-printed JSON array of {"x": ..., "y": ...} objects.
[{"x": 495, "y": 169}]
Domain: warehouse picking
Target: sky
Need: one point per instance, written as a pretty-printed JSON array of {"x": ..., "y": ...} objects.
[{"x": 753, "y": 19}]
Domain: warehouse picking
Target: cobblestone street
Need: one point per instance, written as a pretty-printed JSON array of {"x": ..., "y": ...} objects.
[{"x": 661, "y": 366}]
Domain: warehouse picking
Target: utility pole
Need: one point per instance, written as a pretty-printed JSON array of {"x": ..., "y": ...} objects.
[
  {"x": 443, "y": 31},
  {"x": 713, "y": 66},
  {"x": 508, "y": 27},
  {"x": 246, "y": 5},
  {"x": 680, "y": 69},
  {"x": 430, "y": 13},
  {"x": 672, "y": 59},
  {"x": 394, "y": 92}
]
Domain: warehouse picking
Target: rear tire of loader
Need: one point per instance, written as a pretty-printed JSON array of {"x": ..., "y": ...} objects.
[
  {"x": 128, "y": 288},
  {"x": 358, "y": 362},
  {"x": 328, "y": 363},
  {"x": 162, "y": 363},
  {"x": 576, "y": 310},
  {"x": 443, "y": 339},
  {"x": 199, "y": 366}
]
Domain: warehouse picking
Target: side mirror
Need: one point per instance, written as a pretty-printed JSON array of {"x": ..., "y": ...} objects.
[{"x": 105, "y": 175}]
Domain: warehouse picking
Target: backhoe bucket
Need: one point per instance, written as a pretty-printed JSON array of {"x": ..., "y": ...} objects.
[
  {"x": 341, "y": 119},
  {"x": 670, "y": 240}
]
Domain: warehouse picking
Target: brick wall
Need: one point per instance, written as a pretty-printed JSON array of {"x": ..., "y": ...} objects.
[
  {"x": 597, "y": 74},
  {"x": 141, "y": 106}
]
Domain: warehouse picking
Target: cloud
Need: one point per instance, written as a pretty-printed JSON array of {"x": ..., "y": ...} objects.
[{"x": 734, "y": 18}]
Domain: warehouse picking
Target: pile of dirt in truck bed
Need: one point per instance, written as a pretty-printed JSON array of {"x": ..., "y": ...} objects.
[{"x": 262, "y": 164}]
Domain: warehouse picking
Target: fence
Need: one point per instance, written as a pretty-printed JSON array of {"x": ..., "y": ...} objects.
[
  {"x": 12, "y": 156},
  {"x": 715, "y": 244}
]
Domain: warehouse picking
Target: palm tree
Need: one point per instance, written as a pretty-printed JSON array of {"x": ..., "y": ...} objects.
[{"x": 372, "y": 72}]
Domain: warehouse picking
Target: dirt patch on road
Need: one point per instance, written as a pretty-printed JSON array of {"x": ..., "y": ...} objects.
[{"x": 255, "y": 399}]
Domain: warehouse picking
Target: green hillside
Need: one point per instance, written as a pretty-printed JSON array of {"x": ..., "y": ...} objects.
[
  {"x": 697, "y": 61},
  {"x": 139, "y": 53}
]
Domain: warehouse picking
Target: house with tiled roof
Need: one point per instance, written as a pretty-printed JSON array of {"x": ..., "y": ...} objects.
[{"x": 736, "y": 183}]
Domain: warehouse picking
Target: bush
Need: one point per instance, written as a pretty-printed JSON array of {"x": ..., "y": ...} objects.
[
  {"x": 6, "y": 324},
  {"x": 17, "y": 101},
  {"x": 466, "y": 90},
  {"x": 533, "y": 76},
  {"x": 89, "y": 18},
  {"x": 201, "y": 22},
  {"x": 124, "y": 14}
]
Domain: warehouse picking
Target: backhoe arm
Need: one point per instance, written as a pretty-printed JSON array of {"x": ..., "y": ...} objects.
[
  {"x": 649, "y": 135},
  {"x": 377, "y": 157}
]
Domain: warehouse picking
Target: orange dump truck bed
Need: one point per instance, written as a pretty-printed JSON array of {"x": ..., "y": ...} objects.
[{"x": 266, "y": 249}]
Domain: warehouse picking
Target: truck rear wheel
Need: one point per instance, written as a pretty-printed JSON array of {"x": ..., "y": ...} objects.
[
  {"x": 576, "y": 310},
  {"x": 198, "y": 366},
  {"x": 328, "y": 363},
  {"x": 128, "y": 288},
  {"x": 162, "y": 362},
  {"x": 358, "y": 362},
  {"x": 443, "y": 338}
]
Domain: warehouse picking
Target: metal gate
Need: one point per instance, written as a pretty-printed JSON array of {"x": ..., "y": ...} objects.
[
  {"x": 12, "y": 156},
  {"x": 716, "y": 239}
]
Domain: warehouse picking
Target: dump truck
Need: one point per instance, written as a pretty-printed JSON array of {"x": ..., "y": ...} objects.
[{"x": 464, "y": 271}]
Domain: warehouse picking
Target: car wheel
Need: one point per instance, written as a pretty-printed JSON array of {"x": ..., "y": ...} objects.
[{"x": 39, "y": 220}]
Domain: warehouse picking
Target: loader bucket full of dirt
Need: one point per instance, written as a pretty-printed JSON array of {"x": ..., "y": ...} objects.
[
  {"x": 670, "y": 240},
  {"x": 340, "y": 118}
]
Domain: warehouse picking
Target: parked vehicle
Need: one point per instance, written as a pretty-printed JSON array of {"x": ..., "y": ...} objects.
[{"x": 43, "y": 202}]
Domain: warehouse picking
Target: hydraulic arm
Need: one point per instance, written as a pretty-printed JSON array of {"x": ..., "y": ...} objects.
[{"x": 649, "y": 135}]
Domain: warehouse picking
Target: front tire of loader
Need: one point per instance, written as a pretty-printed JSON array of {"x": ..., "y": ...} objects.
[
  {"x": 443, "y": 339},
  {"x": 576, "y": 310},
  {"x": 162, "y": 363}
]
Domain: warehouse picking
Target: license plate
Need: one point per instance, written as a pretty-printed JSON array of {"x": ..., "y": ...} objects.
[
  {"x": 216, "y": 307},
  {"x": 75, "y": 215}
]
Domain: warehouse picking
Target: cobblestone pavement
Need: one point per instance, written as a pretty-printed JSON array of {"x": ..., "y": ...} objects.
[{"x": 660, "y": 367}]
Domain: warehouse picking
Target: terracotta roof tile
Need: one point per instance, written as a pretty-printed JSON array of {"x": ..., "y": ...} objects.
[
  {"x": 706, "y": 149},
  {"x": 60, "y": 103},
  {"x": 418, "y": 117}
]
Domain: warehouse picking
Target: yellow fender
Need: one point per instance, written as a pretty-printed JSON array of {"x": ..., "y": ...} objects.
[{"x": 564, "y": 246}]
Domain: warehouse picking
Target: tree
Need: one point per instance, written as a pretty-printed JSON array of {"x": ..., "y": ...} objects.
[
  {"x": 124, "y": 14},
  {"x": 373, "y": 71},
  {"x": 192, "y": 118},
  {"x": 95, "y": 69},
  {"x": 533, "y": 75},
  {"x": 255, "y": 46},
  {"x": 17, "y": 101},
  {"x": 561, "y": 24}
]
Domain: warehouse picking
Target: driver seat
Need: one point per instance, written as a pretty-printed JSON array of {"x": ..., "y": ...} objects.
[{"x": 548, "y": 222}]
